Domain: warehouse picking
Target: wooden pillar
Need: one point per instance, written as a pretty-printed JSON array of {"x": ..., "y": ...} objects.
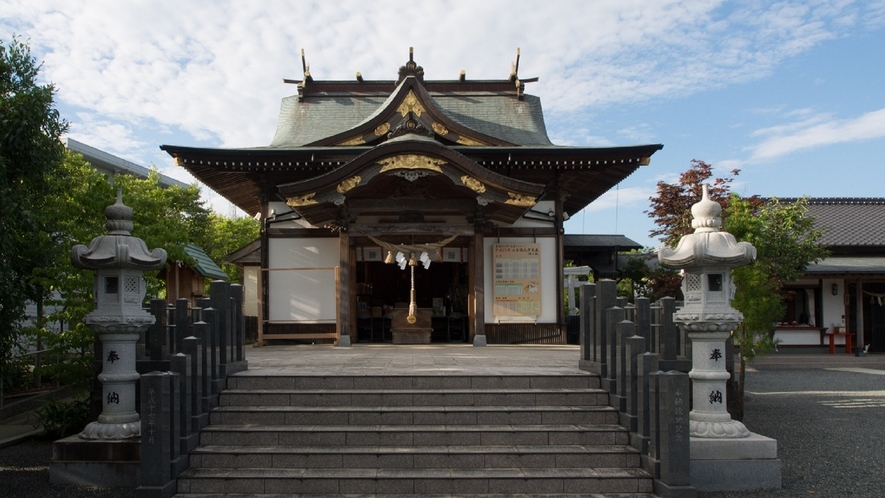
[
  {"x": 478, "y": 264},
  {"x": 263, "y": 275},
  {"x": 343, "y": 285},
  {"x": 558, "y": 219},
  {"x": 858, "y": 337}
]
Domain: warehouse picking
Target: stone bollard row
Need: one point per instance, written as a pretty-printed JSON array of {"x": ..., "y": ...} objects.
[
  {"x": 636, "y": 360},
  {"x": 182, "y": 378}
]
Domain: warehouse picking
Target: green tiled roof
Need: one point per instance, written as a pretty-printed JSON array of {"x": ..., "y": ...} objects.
[{"x": 204, "y": 264}]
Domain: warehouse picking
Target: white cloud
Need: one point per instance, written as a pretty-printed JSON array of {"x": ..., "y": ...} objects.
[
  {"x": 817, "y": 131},
  {"x": 213, "y": 70}
]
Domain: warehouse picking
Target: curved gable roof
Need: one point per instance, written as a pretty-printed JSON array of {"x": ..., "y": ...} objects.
[
  {"x": 466, "y": 117},
  {"x": 411, "y": 158}
]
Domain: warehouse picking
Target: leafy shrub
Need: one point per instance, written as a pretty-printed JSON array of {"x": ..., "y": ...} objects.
[{"x": 63, "y": 418}]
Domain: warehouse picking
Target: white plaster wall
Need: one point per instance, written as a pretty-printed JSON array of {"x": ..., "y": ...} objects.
[
  {"x": 250, "y": 290},
  {"x": 306, "y": 296},
  {"x": 549, "y": 273},
  {"x": 833, "y": 306}
]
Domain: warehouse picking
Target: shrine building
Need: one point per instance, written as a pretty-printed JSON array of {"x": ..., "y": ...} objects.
[{"x": 410, "y": 209}]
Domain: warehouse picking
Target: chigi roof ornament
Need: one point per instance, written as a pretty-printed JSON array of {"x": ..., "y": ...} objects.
[{"x": 411, "y": 69}]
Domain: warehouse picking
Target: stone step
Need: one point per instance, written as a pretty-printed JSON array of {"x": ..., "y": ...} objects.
[
  {"x": 417, "y": 481},
  {"x": 413, "y": 397},
  {"x": 414, "y": 435},
  {"x": 415, "y": 457},
  {"x": 407, "y": 415},
  {"x": 374, "y": 382},
  {"x": 410, "y": 495}
]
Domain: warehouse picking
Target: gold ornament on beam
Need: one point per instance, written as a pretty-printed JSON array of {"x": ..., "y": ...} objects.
[
  {"x": 382, "y": 129},
  {"x": 352, "y": 141},
  {"x": 439, "y": 129},
  {"x": 520, "y": 200},
  {"x": 473, "y": 184},
  {"x": 348, "y": 184},
  {"x": 411, "y": 161},
  {"x": 411, "y": 104},
  {"x": 303, "y": 200},
  {"x": 469, "y": 141}
]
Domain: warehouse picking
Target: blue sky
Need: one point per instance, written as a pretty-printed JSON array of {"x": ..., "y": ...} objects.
[{"x": 790, "y": 93}]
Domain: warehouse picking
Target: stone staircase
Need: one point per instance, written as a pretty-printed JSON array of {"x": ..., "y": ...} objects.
[{"x": 414, "y": 435}]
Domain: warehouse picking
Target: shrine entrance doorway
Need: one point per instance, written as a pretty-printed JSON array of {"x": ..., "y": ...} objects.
[{"x": 441, "y": 288}]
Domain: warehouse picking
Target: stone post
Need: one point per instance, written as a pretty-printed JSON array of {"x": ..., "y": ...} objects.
[{"x": 119, "y": 260}]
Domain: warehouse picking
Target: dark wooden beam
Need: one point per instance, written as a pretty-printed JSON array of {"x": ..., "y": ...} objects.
[
  {"x": 376, "y": 229},
  {"x": 357, "y": 206}
]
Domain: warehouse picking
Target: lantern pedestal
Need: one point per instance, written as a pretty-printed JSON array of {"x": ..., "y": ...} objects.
[{"x": 728, "y": 464}]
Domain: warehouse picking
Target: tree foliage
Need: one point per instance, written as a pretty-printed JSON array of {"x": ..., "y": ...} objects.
[
  {"x": 671, "y": 207},
  {"x": 786, "y": 242},
  {"x": 30, "y": 128}
]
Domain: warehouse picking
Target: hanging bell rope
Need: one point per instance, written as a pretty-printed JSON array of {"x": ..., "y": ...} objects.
[{"x": 430, "y": 247}]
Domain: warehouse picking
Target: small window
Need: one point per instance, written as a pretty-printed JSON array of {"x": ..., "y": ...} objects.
[
  {"x": 714, "y": 282},
  {"x": 111, "y": 285}
]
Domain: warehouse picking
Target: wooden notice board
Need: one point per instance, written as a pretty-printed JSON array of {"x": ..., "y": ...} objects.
[{"x": 517, "y": 279}]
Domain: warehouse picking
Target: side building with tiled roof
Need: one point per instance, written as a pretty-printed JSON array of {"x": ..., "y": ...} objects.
[{"x": 844, "y": 294}]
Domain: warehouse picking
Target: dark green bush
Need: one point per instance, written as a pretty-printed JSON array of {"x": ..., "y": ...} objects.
[{"x": 63, "y": 418}]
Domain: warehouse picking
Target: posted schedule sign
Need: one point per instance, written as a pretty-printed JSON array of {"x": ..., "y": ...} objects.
[{"x": 517, "y": 279}]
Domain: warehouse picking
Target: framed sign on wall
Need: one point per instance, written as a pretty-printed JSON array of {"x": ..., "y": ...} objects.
[{"x": 517, "y": 289}]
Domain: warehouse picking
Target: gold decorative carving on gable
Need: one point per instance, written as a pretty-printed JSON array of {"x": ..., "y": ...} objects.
[
  {"x": 382, "y": 129},
  {"x": 469, "y": 141},
  {"x": 439, "y": 129},
  {"x": 353, "y": 141},
  {"x": 520, "y": 200},
  {"x": 473, "y": 184},
  {"x": 303, "y": 200},
  {"x": 411, "y": 161},
  {"x": 411, "y": 104},
  {"x": 349, "y": 184}
]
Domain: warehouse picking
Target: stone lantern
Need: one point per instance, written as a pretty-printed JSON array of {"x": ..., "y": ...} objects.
[
  {"x": 119, "y": 261},
  {"x": 725, "y": 456},
  {"x": 706, "y": 258}
]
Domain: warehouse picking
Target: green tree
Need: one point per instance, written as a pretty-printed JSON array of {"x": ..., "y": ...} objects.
[
  {"x": 30, "y": 131},
  {"x": 74, "y": 196},
  {"x": 786, "y": 242},
  {"x": 671, "y": 207},
  {"x": 225, "y": 236},
  {"x": 169, "y": 217}
]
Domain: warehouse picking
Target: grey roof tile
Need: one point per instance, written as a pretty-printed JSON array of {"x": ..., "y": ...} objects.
[
  {"x": 501, "y": 116},
  {"x": 849, "y": 221}
]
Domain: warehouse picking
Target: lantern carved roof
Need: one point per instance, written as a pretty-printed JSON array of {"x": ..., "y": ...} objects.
[
  {"x": 707, "y": 246},
  {"x": 118, "y": 249}
]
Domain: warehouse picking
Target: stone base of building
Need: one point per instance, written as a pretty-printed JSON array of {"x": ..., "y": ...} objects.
[
  {"x": 739, "y": 464},
  {"x": 101, "y": 464}
]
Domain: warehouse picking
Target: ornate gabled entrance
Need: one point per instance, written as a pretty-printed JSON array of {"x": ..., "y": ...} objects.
[{"x": 411, "y": 191}]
